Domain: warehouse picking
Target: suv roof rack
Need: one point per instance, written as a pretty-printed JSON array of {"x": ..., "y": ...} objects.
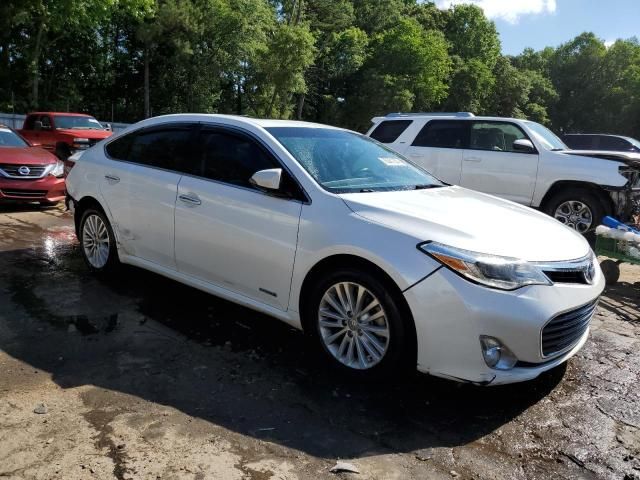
[{"x": 431, "y": 114}]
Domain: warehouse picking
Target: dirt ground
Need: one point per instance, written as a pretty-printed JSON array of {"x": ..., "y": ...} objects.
[{"x": 139, "y": 377}]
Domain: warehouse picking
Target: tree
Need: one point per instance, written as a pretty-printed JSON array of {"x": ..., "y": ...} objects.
[{"x": 471, "y": 35}]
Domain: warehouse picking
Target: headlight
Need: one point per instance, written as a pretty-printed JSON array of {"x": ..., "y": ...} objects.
[
  {"x": 493, "y": 271},
  {"x": 58, "y": 170}
]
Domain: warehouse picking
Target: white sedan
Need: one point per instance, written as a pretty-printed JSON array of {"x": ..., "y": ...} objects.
[{"x": 383, "y": 265}]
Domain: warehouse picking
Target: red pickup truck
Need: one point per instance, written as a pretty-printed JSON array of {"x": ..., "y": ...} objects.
[{"x": 63, "y": 133}]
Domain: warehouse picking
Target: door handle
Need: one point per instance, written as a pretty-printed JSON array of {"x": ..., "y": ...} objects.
[
  {"x": 112, "y": 178},
  {"x": 191, "y": 199},
  {"x": 472, "y": 159}
]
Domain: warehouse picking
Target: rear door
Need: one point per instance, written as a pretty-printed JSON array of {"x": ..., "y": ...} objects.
[
  {"x": 140, "y": 180},
  {"x": 230, "y": 233},
  {"x": 491, "y": 164},
  {"x": 438, "y": 148}
]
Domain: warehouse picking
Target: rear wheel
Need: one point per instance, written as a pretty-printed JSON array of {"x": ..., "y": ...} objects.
[
  {"x": 97, "y": 241},
  {"x": 577, "y": 208},
  {"x": 358, "y": 325}
]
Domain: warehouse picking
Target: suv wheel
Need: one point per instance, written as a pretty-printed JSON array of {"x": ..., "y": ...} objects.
[
  {"x": 97, "y": 241},
  {"x": 577, "y": 208},
  {"x": 358, "y": 325}
]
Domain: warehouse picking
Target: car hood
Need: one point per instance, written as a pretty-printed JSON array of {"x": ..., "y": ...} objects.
[
  {"x": 471, "y": 220},
  {"x": 86, "y": 133},
  {"x": 26, "y": 156},
  {"x": 630, "y": 158}
]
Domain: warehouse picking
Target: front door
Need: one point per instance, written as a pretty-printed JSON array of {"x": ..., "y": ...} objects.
[
  {"x": 228, "y": 232},
  {"x": 491, "y": 165}
]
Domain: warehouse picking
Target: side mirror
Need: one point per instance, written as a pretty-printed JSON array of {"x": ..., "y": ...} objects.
[
  {"x": 267, "y": 179},
  {"x": 37, "y": 125},
  {"x": 107, "y": 127},
  {"x": 524, "y": 146}
]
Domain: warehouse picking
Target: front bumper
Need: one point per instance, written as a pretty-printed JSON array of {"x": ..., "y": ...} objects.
[
  {"x": 451, "y": 314},
  {"x": 46, "y": 189}
]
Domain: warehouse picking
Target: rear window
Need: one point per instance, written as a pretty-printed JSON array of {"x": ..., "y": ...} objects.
[
  {"x": 443, "y": 134},
  {"x": 389, "y": 130}
]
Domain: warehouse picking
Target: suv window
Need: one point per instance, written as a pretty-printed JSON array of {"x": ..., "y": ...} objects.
[
  {"x": 231, "y": 158},
  {"x": 495, "y": 136},
  {"x": 389, "y": 130},
  {"x": 613, "y": 143},
  {"x": 167, "y": 147},
  {"x": 579, "y": 142},
  {"x": 443, "y": 134}
]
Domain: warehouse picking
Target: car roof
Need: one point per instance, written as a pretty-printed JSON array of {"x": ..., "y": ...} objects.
[
  {"x": 441, "y": 116},
  {"x": 66, "y": 114},
  {"x": 235, "y": 119}
]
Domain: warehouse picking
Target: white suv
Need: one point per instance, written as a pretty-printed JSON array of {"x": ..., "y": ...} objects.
[
  {"x": 380, "y": 263},
  {"x": 518, "y": 160}
]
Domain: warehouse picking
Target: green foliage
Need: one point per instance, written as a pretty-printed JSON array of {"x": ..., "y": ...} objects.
[{"x": 335, "y": 61}]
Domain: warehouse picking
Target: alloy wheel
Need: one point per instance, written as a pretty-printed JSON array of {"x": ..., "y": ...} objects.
[
  {"x": 353, "y": 325},
  {"x": 95, "y": 241},
  {"x": 575, "y": 214}
]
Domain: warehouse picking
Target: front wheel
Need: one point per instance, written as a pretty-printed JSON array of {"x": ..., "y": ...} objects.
[
  {"x": 97, "y": 241},
  {"x": 358, "y": 325},
  {"x": 577, "y": 208}
]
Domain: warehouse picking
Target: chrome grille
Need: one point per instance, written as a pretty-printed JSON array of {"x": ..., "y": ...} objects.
[
  {"x": 13, "y": 171},
  {"x": 564, "y": 331},
  {"x": 24, "y": 193}
]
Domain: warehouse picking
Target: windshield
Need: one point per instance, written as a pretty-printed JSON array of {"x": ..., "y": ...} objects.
[
  {"x": 346, "y": 162},
  {"x": 8, "y": 138},
  {"x": 73, "y": 122},
  {"x": 546, "y": 137}
]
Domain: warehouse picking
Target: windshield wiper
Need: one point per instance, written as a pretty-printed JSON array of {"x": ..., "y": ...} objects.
[{"x": 426, "y": 186}]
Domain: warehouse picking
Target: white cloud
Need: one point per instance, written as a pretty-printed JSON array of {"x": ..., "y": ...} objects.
[{"x": 509, "y": 10}]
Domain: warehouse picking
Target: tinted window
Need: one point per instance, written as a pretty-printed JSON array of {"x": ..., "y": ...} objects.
[
  {"x": 389, "y": 130},
  {"x": 28, "y": 124},
  {"x": 495, "y": 136},
  {"x": 613, "y": 143},
  {"x": 231, "y": 158},
  {"x": 118, "y": 149},
  {"x": 579, "y": 142},
  {"x": 166, "y": 147},
  {"x": 443, "y": 134}
]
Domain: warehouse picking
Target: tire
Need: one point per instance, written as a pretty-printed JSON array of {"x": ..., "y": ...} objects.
[
  {"x": 95, "y": 230},
  {"x": 611, "y": 271},
  {"x": 578, "y": 208},
  {"x": 384, "y": 334}
]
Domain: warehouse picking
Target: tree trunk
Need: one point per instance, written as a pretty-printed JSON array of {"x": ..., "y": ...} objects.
[
  {"x": 147, "y": 108},
  {"x": 300, "y": 106},
  {"x": 35, "y": 65}
]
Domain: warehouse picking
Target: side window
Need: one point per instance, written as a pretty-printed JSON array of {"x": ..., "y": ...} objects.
[
  {"x": 388, "y": 131},
  {"x": 614, "y": 143},
  {"x": 443, "y": 134},
  {"x": 163, "y": 147},
  {"x": 231, "y": 158},
  {"x": 28, "y": 124},
  {"x": 118, "y": 149},
  {"x": 495, "y": 136}
]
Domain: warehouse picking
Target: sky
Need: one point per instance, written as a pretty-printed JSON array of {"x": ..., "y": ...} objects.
[{"x": 542, "y": 23}]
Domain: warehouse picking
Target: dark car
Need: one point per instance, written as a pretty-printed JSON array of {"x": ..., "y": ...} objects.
[
  {"x": 601, "y": 141},
  {"x": 28, "y": 173}
]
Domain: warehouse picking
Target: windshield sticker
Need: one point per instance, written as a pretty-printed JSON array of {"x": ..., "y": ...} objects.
[{"x": 391, "y": 161}]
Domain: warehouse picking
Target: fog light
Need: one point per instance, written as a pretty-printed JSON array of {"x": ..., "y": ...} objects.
[{"x": 496, "y": 354}]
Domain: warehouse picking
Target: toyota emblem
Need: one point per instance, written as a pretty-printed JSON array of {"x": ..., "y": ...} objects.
[{"x": 24, "y": 170}]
